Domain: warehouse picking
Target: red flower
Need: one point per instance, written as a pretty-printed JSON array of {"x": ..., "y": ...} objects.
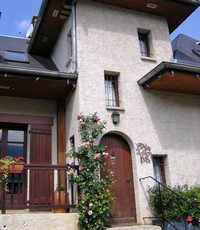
[
  {"x": 18, "y": 159},
  {"x": 189, "y": 219}
]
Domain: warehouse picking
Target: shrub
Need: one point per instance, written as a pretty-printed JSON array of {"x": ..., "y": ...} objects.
[
  {"x": 95, "y": 197},
  {"x": 185, "y": 202}
]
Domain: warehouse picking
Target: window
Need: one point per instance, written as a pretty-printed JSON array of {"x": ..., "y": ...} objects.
[
  {"x": 144, "y": 41},
  {"x": 15, "y": 56},
  {"x": 159, "y": 170},
  {"x": 111, "y": 90}
]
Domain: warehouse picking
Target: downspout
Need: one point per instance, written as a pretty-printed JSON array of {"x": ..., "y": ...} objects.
[{"x": 74, "y": 41}]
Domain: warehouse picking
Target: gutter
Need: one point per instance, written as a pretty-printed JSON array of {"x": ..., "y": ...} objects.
[
  {"x": 167, "y": 65},
  {"x": 74, "y": 40},
  {"x": 54, "y": 75}
]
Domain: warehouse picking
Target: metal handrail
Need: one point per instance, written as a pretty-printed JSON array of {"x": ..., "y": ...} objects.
[
  {"x": 159, "y": 187},
  {"x": 192, "y": 204}
]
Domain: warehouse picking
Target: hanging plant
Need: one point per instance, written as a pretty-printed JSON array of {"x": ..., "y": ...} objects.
[
  {"x": 5, "y": 164},
  {"x": 94, "y": 200}
]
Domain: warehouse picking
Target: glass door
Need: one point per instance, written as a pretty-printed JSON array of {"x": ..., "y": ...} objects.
[{"x": 13, "y": 138}]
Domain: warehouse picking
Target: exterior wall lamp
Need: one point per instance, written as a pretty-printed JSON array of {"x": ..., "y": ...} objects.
[{"x": 115, "y": 117}]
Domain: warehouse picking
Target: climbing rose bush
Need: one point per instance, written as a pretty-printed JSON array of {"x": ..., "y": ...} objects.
[{"x": 95, "y": 196}]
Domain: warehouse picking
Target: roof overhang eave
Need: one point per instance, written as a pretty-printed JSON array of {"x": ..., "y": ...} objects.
[
  {"x": 38, "y": 23},
  {"x": 154, "y": 73}
]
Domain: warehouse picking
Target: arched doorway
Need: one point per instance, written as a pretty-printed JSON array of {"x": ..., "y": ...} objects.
[{"x": 119, "y": 161}]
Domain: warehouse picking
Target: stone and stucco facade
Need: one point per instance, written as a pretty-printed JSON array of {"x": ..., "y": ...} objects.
[{"x": 168, "y": 123}]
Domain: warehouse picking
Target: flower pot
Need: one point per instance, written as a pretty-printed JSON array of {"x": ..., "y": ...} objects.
[
  {"x": 13, "y": 168},
  {"x": 60, "y": 198}
]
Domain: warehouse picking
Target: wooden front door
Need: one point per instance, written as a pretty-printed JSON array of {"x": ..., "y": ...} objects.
[
  {"x": 40, "y": 154},
  {"x": 120, "y": 162}
]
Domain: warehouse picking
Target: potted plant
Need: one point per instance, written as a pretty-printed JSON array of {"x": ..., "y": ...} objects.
[
  {"x": 8, "y": 165},
  {"x": 60, "y": 198}
]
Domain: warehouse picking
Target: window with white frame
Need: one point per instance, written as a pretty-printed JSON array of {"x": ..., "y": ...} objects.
[
  {"x": 144, "y": 42},
  {"x": 111, "y": 89}
]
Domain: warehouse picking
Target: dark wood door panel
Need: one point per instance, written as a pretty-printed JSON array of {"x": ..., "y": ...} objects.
[{"x": 120, "y": 162}]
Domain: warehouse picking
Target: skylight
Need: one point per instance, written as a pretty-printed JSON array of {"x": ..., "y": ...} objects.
[{"x": 15, "y": 56}]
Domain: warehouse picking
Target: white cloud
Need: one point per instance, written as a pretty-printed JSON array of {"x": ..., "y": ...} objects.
[{"x": 23, "y": 25}]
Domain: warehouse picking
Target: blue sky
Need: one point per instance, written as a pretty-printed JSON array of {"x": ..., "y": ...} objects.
[{"x": 16, "y": 16}]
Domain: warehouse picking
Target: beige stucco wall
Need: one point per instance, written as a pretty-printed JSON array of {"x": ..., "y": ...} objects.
[
  {"x": 168, "y": 123},
  {"x": 33, "y": 107},
  {"x": 108, "y": 40}
]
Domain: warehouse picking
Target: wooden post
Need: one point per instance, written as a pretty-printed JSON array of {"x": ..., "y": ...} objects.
[{"x": 61, "y": 134}]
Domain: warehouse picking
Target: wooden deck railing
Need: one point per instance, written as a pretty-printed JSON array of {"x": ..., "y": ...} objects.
[{"x": 34, "y": 189}]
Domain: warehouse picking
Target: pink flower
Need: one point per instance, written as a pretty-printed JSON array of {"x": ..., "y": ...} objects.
[
  {"x": 104, "y": 154},
  {"x": 97, "y": 155},
  {"x": 90, "y": 212},
  {"x": 85, "y": 144},
  {"x": 189, "y": 219},
  {"x": 97, "y": 119},
  {"x": 81, "y": 121},
  {"x": 90, "y": 204},
  {"x": 78, "y": 116},
  {"x": 71, "y": 171},
  {"x": 80, "y": 168}
]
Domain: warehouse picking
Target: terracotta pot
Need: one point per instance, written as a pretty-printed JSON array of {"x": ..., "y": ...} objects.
[
  {"x": 60, "y": 198},
  {"x": 13, "y": 168}
]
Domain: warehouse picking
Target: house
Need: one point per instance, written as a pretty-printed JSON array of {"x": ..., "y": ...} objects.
[{"x": 110, "y": 57}]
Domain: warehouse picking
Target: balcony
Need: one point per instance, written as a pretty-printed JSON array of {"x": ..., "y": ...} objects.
[{"x": 34, "y": 190}]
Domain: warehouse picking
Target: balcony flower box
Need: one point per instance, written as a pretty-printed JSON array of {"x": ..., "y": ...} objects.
[
  {"x": 18, "y": 167},
  {"x": 8, "y": 165}
]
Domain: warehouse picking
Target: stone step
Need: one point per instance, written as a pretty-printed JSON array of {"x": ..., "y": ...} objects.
[{"x": 137, "y": 227}]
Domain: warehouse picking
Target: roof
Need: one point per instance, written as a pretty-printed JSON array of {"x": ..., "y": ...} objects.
[
  {"x": 21, "y": 45},
  {"x": 37, "y": 78},
  {"x": 51, "y": 16},
  {"x": 182, "y": 75},
  {"x": 186, "y": 50}
]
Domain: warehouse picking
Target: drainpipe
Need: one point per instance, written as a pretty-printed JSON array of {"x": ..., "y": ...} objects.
[{"x": 74, "y": 45}]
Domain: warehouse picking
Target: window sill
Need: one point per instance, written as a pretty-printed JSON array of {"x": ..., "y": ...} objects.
[
  {"x": 115, "y": 108},
  {"x": 148, "y": 59}
]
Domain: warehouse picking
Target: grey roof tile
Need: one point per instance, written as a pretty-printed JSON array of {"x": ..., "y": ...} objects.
[
  {"x": 21, "y": 45},
  {"x": 185, "y": 50}
]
